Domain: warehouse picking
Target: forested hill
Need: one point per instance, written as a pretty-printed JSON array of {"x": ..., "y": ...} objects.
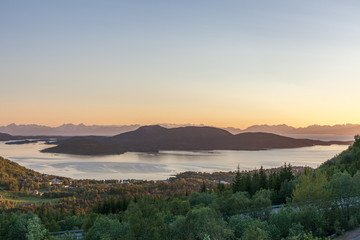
[
  {"x": 156, "y": 138},
  {"x": 12, "y": 170},
  {"x": 14, "y": 177},
  {"x": 7, "y": 137},
  {"x": 348, "y": 160},
  {"x": 11, "y": 174}
]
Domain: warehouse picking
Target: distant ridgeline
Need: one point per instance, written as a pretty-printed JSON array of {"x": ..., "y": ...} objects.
[
  {"x": 7, "y": 137},
  {"x": 157, "y": 138}
]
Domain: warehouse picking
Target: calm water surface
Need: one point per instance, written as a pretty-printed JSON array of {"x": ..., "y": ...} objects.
[{"x": 161, "y": 165}]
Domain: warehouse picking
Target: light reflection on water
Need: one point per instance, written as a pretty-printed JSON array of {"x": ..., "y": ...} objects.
[{"x": 162, "y": 165}]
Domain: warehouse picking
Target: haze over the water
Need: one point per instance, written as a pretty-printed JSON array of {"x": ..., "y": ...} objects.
[{"x": 231, "y": 63}]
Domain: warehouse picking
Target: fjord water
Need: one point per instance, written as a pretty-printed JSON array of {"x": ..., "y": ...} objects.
[{"x": 161, "y": 165}]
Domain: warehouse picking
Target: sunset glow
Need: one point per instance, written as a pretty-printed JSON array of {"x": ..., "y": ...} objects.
[{"x": 200, "y": 62}]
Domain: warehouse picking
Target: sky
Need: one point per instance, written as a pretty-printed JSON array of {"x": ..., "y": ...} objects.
[{"x": 219, "y": 63}]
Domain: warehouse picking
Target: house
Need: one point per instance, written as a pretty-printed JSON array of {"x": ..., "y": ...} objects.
[
  {"x": 224, "y": 182},
  {"x": 221, "y": 181},
  {"x": 37, "y": 193},
  {"x": 127, "y": 182},
  {"x": 56, "y": 181}
]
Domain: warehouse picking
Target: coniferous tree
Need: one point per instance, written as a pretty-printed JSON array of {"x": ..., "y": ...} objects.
[
  {"x": 247, "y": 183},
  {"x": 262, "y": 179},
  {"x": 255, "y": 182},
  {"x": 236, "y": 185},
  {"x": 203, "y": 187}
]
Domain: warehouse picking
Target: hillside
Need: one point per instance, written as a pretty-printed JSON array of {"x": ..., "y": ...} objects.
[
  {"x": 156, "y": 138},
  {"x": 7, "y": 137},
  {"x": 348, "y": 160},
  {"x": 12, "y": 173}
]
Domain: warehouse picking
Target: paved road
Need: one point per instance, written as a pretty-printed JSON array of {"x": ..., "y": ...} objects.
[{"x": 352, "y": 235}]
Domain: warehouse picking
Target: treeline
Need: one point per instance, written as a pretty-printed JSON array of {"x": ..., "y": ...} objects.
[
  {"x": 217, "y": 215},
  {"x": 280, "y": 183}
]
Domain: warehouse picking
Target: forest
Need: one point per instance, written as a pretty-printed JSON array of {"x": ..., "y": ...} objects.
[{"x": 280, "y": 204}]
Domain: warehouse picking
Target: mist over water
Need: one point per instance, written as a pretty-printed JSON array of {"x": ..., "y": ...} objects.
[{"x": 161, "y": 165}]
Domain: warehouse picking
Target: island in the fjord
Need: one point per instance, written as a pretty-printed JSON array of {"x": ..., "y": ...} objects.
[{"x": 156, "y": 138}]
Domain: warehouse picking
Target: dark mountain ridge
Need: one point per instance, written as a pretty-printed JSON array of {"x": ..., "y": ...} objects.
[
  {"x": 347, "y": 131},
  {"x": 28, "y": 139},
  {"x": 6, "y": 137},
  {"x": 156, "y": 138}
]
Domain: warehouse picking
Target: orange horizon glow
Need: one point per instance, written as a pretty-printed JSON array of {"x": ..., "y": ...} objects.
[{"x": 121, "y": 63}]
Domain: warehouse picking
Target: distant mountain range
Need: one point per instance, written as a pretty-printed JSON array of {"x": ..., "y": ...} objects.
[
  {"x": 155, "y": 138},
  {"x": 346, "y": 131},
  {"x": 66, "y": 130},
  {"x": 340, "y": 129}
]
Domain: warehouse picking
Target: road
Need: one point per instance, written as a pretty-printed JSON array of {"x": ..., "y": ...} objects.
[{"x": 351, "y": 235}]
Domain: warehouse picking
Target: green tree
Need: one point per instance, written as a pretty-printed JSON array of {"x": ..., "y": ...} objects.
[
  {"x": 255, "y": 233},
  {"x": 255, "y": 182},
  {"x": 239, "y": 224},
  {"x": 286, "y": 189},
  {"x": 203, "y": 187},
  {"x": 296, "y": 229},
  {"x": 68, "y": 236},
  {"x": 35, "y": 230},
  {"x": 230, "y": 204},
  {"x": 282, "y": 220},
  {"x": 199, "y": 223},
  {"x": 304, "y": 236},
  {"x": 201, "y": 198},
  {"x": 146, "y": 220},
  {"x": 312, "y": 188},
  {"x": 356, "y": 183},
  {"x": 107, "y": 228},
  {"x": 261, "y": 204},
  {"x": 342, "y": 188},
  {"x": 312, "y": 218},
  {"x": 263, "y": 183},
  {"x": 236, "y": 184},
  {"x": 25, "y": 226},
  {"x": 179, "y": 207}
]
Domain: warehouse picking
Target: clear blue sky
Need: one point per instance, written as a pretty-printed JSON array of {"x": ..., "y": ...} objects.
[{"x": 222, "y": 63}]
